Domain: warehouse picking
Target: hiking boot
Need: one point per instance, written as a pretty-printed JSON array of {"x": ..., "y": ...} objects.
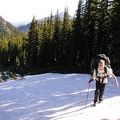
[
  {"x": 94, "y": 103},
  {"x": 100, "y": 99}
]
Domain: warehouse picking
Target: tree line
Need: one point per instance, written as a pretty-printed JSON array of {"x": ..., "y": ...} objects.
[{"x": 94, "y": 29}]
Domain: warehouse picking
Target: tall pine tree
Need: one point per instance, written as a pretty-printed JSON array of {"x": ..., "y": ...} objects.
[
  {"x": 66, "y": 38},
  {"x": 77, "y": 42},
  {"x": 57, "y": 37},
  {"x": 33, "y": 42}
]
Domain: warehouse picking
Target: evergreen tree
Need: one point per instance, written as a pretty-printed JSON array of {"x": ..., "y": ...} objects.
[
  {"x": 33, "y": 42},
  {"x": 57, "y": 37},
  {"x": 51, "y": 46},
  {"x": 77, "y": 43},
  {"x": 21, "y": 51},
  {"x": 103, "y": 24},
  {"x": 4, "y": 52},
  {"x": 45, "y": 43},
  {"x": 66, "y": 38},
  {"x": 12, "y": 52},
  {"x": 114, "y": 35}
]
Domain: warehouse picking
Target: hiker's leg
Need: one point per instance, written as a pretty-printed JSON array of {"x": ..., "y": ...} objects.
[
  {"x": 97, "y": 91},
  {"x": 102, "y": 89}
]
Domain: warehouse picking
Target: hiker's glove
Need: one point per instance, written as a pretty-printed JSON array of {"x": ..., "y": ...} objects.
[{"x": 90, "y": 80}]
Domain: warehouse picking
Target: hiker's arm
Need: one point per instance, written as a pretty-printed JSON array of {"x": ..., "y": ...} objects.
[
  {"x": 109, "y": 71},
  {"x": 92, "y": 77},
  {"x": 90, "y": 80},
  {"x": 116, "y": 81}
]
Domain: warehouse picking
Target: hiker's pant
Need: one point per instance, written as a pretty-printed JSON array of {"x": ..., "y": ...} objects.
[{"x": 100, "y": 87}]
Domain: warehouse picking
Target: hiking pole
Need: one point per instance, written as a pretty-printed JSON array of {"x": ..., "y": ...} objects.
[{"x": 87, "y": 93}]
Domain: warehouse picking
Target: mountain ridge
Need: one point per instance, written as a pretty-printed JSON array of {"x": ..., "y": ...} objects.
[
  {"x": 25, "y": 28},
  {"x": 6, "y": 28}
]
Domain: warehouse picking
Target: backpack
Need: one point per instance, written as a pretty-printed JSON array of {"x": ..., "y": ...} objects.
[{"x": 95, "y": 60}]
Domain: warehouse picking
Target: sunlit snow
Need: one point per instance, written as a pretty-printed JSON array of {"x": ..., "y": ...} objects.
[{"x": 54, "y": 96}]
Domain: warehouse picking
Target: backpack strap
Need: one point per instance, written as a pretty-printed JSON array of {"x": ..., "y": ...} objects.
[
  {"x": 96, "y": 70},
  {"x": 105, "y": 70}
]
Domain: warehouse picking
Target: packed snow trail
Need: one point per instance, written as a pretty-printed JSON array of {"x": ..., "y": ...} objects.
[{"x": 54, "y": 96}]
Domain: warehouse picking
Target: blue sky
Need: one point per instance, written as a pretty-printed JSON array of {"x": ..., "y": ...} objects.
[{"x": 23, "y": 10}]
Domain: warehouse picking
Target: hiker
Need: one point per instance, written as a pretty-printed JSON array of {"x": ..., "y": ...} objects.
[{"x": 100, "y": 74}]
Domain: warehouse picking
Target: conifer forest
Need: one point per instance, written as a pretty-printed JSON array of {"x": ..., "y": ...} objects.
[{"x": 66, "y": 44}]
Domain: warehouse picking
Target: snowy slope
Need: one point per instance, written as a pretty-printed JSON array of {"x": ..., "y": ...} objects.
[{"x": 55, "y": 96}]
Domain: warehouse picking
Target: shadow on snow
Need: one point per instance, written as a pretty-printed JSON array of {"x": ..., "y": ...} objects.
[{"x": 48, "y": 96}]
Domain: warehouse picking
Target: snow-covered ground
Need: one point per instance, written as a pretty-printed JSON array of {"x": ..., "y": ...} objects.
[{"x": 54, "y": 96}]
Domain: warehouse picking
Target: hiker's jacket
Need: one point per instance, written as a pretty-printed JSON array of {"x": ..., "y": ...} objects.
[{"x": 102, "y": 75}]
